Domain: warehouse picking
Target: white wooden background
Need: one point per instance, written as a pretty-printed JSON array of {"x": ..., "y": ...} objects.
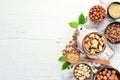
[{"x": 33, "y": 34}]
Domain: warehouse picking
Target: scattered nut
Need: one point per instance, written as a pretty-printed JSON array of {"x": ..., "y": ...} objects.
[{"x": 72, "y": 46}]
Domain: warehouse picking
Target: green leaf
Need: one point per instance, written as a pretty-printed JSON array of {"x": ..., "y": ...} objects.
[
  {"x": 81, "y": 19},
  {"x": 62, "y": 58},
  {"x": 65, "y": 65},
  {"x": 74, "y": 24}
]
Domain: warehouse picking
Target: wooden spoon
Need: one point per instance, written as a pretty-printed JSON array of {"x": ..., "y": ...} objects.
[
  {"x": 95, "y": 60},
  {"x": 75, "y": 57}
]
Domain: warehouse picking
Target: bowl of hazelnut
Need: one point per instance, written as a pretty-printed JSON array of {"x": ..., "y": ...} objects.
[
  {"x": 107, "y": 73},
  {"x": 94, "y": 44},
  {"x": 82, "y": 71},
  {"x": 97, "y": 13}
]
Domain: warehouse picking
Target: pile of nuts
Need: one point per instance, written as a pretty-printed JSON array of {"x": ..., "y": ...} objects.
[
  {"x": 94, "y": 43},
  {"x": 112, "y": 32},
  {"x": 97, "y": 13},
  {"x": 71, "y": 51},
  {"x": 82, "y": 71},
  {"x": 106, "y": 74}
]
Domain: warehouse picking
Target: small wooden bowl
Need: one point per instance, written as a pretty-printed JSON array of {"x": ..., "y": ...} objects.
[
  {"x": 91, "y": 75},
  {"x": 93, "y": 19},
  {"x": 86, "y": 51},
  {"x": 109, "y": 7},
  {"x": 109, "y": 68}
]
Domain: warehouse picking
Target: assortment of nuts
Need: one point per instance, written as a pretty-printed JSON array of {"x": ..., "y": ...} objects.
[
  {"x": 82, "y": 71},
  {"x": 112, "y": 32},
  {"x": 71, "y": 52},
  {"x": 72, "y": 46},
  {"x": 97, "y": 13},
  {"x": 106, "y": 74},
  {"x": 94, "y": 43}
]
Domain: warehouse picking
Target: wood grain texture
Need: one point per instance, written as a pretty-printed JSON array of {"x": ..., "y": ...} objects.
[{"x": 32, "y": 35}]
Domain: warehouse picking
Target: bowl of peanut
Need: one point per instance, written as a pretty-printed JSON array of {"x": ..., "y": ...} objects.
[
  {"x": 107, "y": 73},
  {"x": 82, "y": 71},
  {"x": 94, "y": 44}
]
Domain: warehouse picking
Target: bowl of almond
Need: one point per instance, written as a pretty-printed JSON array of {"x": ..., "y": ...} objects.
[{"x": 94, "y": 44}]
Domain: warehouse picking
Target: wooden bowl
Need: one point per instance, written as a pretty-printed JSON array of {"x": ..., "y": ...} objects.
[
  {"x": 103, "y": 48},
  {"x": 91, "y": 75},
  {"x": 109, "y": 68}
]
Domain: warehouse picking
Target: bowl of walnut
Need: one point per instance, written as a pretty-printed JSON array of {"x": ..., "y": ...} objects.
[{"x": 94, "y": 44}]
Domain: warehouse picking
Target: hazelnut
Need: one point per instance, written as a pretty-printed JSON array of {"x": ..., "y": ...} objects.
[
  {"x": 113, "y": 72},
  {"x": 104, "y": 73}
]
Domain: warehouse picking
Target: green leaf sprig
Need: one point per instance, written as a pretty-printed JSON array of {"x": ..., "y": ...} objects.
[
  {"x": 65, "y": 64},
  {"x": 81, "y": 20},
  {"x": 73, "y": 24},
  {"x": 62, "y": 58}
]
